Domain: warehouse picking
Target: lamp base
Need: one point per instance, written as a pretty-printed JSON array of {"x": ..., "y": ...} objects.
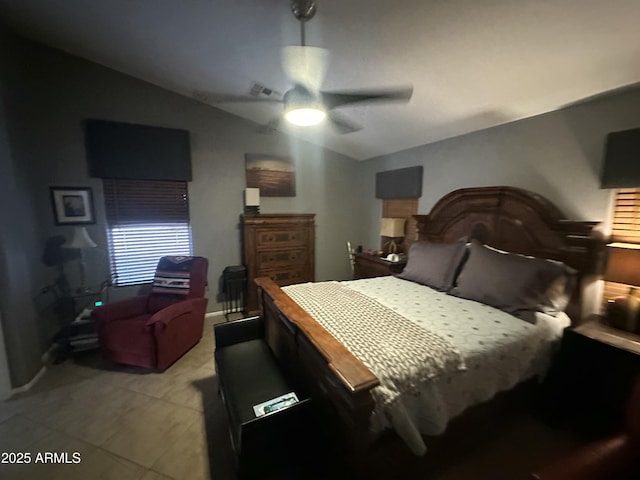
[
  {"x": 251, "y": 210},
  {"x": 624, "y": 313},
  {"x": 392, "y": 247}
]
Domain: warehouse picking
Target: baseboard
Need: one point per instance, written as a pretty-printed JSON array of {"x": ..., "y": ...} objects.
[
  {"x": 27, "y": 386},
  {"x": 214, "y": 314},
  {"x": 46, "y": 356}
]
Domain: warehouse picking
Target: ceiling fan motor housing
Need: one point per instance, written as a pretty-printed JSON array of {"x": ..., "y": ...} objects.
[
  {"x": 303, "y": 10},
  {"x": 299, "y": 97},
  {"x": 303, "y": 108}
]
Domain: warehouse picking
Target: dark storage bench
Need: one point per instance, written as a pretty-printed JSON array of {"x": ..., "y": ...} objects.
[{"x": 248, "y": 374}]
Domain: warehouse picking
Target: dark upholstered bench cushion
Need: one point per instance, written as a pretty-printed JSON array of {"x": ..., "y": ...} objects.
[{"x": 249, "y": 375}]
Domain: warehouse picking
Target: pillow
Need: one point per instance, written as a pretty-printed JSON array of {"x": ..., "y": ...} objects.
[
  {"x": 514, "y": 283},
  {"x": 173, "y": 276},
  {"x": 434, "y": 264},
  {"x": 171, "y": 282}
]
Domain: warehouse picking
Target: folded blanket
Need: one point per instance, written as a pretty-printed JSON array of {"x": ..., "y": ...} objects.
[{"x": 400, "y": 353}]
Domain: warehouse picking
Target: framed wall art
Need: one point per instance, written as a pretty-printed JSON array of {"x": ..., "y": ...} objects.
[
  {"x": 275, "y": 176},
  {"x": 72, "y": 205}
]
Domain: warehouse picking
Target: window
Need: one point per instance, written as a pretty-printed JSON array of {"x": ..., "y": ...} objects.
[
  {"x": 626, "y": 216},
  {"x": 625, "y": 228},
  {"x": 146, "y": 219}
]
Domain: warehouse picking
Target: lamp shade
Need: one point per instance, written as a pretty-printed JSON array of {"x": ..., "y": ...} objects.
[
  {"x": 80, "y": 239},
  {"x": 251, "y": 197},
  {"x": 392, "y": 227},
  {"x": 623, "y": 263}
]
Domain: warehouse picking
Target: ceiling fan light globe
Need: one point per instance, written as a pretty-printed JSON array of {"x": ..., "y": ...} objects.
[{"x": 305, "y": 116}]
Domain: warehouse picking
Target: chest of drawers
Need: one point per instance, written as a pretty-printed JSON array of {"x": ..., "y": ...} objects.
[{"x": 279, "y": 246}]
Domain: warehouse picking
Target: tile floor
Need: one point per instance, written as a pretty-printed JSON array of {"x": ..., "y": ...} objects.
[
  {"x": 128, "y": 424},
  {"x": 125, "y": 423}
]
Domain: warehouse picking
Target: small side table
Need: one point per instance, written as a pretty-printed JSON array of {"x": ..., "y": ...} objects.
[
  {"x": 592, "y": 378},
  {"x": 368, "y": 266},
  {"x": 78, "y": 332},
  {"x": 598, "y": 329},
  {"x": 78, "y": 336},
  {"x": 235, "y": 285}
]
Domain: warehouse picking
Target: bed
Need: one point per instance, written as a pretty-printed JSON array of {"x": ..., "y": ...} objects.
[{"x": 333, "y": 336}]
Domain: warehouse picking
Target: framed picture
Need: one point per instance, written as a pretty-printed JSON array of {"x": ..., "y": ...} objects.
[
  {"x": 275, "y": 176},
  {"x": 72, "y": 205}
]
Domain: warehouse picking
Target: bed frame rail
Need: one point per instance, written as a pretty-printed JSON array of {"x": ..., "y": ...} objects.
[{"x": 317, "y": 361}]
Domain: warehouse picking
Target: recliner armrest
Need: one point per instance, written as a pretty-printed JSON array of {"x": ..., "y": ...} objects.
[
  {"x": 130, "y": 307},
  {"x": 238, "y": 331},
  {"x": 167, "y": 314}
]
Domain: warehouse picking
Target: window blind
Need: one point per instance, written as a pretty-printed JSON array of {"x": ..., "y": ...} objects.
[
  {"x": 146, "y": 219},
  {"x": 626, "y": 216},
  {"x": 625, "y": 228}
]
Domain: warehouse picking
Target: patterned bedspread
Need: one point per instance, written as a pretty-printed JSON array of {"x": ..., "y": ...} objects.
[
  {"x": 497, "y": 349},
  {"x": 400, "y": 353}
]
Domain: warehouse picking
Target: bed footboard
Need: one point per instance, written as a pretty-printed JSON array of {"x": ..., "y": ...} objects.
[{"x": 333, "y": 376}]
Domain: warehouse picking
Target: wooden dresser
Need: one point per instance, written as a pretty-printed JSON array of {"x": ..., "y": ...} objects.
[{"x": 278, "y": 246}]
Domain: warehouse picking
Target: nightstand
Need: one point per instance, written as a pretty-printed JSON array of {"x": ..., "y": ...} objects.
[
  {"x": 368, "y": 266},
  {"x": 592, "y": 377}
]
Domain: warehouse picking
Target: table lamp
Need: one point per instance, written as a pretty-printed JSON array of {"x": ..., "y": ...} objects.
[
  {"x": 392, "y": 228},
  {"x": 623, "y": 266},
  {"x": 81, "y": 240},
  {"x": 251, "y": 201}
]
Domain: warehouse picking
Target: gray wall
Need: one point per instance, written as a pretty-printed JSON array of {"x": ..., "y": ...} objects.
[
  {"x": 557, "y": 155},
  {"x": 54, "y": 92},
  {"x": 24, "y": 333}
]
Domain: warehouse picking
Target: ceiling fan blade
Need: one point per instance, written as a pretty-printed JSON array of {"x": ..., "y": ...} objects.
[
  {"x": 338, "y": 99},
  {"x": 213, "y": 98},
  {"x": 305, "y": 65},
  {"x": 342, "y": 124}
]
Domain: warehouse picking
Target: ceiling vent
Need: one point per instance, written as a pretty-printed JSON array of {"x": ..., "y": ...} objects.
[{"x": 259, "y": 90}]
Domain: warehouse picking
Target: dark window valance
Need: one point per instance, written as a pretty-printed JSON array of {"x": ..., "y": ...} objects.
[
  {"x": 401, "y": 183},
  {"x": 140, "y": 152},
  {"x": 621, "y": 167}
]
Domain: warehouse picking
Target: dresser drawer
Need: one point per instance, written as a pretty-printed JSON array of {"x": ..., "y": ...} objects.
[
  {"x": 287, "y": 276},
  {"x": 269, "y": 237},
  {"x": 282, "y": 258}
]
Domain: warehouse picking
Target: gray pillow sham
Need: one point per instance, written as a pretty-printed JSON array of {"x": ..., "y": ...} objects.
[
  {"x": 517, "y": 284},
  {"x": 434, "y": 264}
]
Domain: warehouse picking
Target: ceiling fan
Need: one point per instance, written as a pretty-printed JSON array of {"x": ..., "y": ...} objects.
[{"x": 305, "y": 104}]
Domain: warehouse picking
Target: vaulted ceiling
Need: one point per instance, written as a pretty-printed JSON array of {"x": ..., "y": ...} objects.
[{"x": 473, "y": 64}]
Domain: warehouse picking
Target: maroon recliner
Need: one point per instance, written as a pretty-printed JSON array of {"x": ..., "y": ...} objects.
[{"x": 154, "y": 330}]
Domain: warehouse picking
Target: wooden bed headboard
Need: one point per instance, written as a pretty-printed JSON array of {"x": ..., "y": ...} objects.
[{"x": 514, "y": 220}]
